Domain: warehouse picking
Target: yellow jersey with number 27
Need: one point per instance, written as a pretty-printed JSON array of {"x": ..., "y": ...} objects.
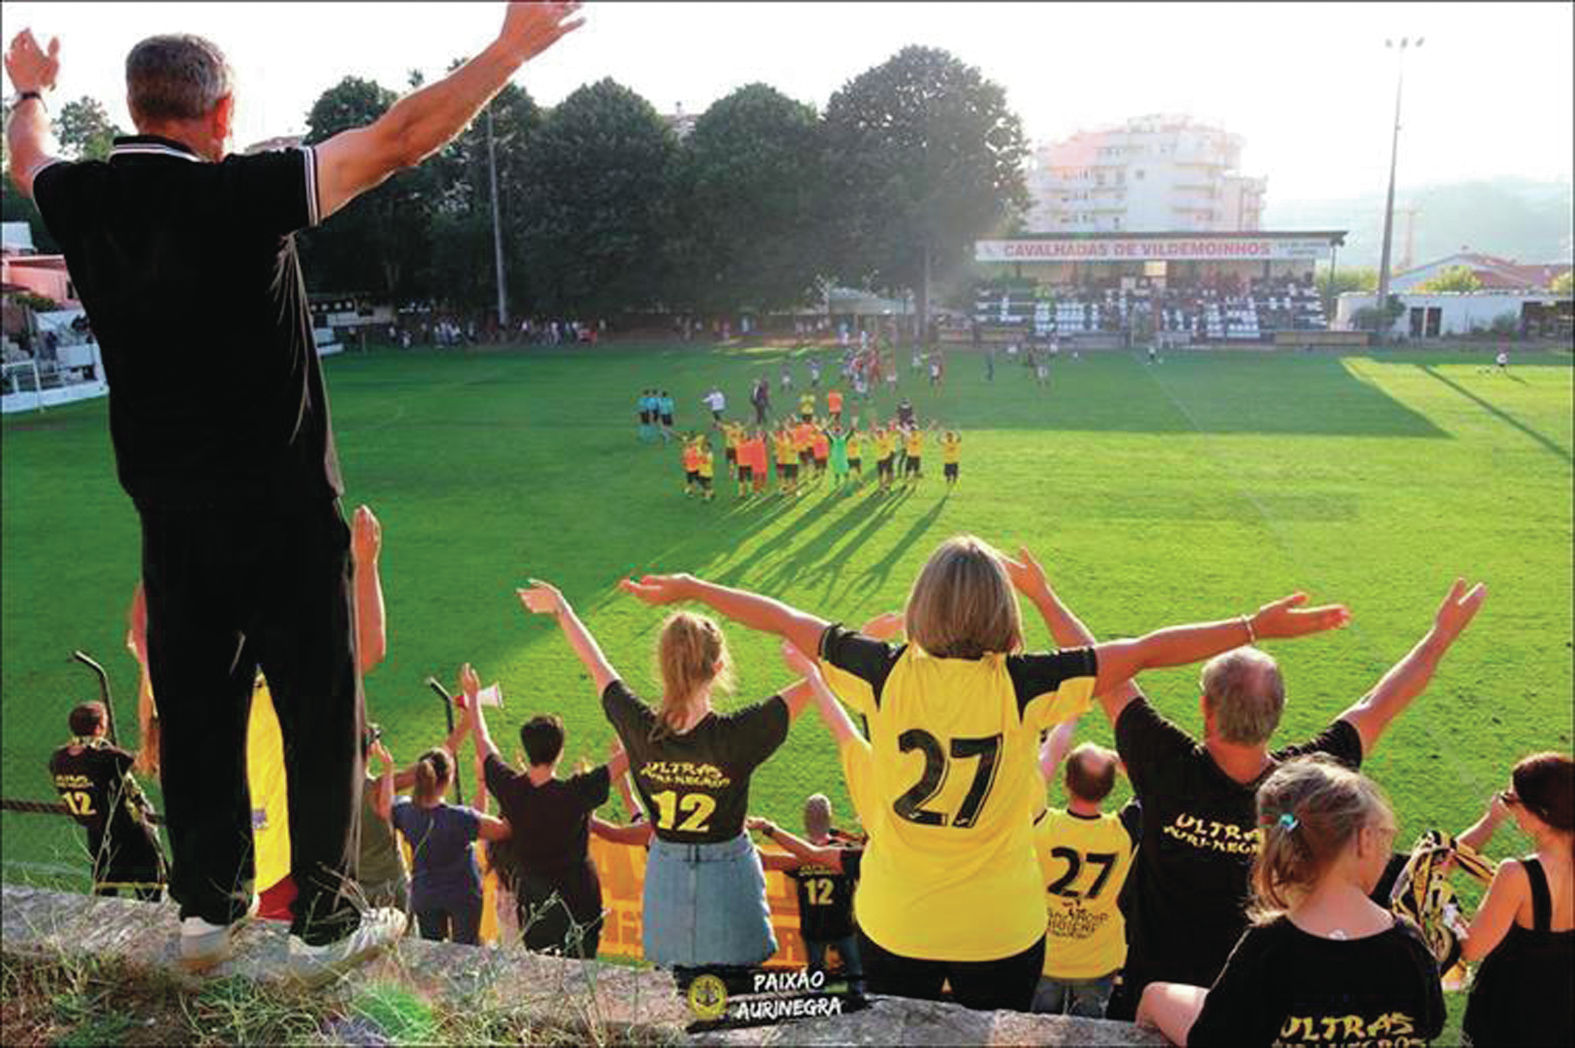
[{"x": 950, "y": 871}]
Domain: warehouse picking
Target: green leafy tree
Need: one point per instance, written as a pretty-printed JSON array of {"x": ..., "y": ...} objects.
[
  {"x": 924, "y": 158},
  {"x": 85, "y": 130},
  {"x": 379, "y": 243},
  {"x": 595, "y": 199},
  {"x": 1346, "y": 280},
  {"x": 463, "y": 270},
  {"x": 1563, "y": 284},
  {"x": 1455, "y": 278},
  {"x": 748, "y": 212}
]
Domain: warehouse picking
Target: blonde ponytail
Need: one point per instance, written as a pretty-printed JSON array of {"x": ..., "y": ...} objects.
[{"x": 692, "y": 654}]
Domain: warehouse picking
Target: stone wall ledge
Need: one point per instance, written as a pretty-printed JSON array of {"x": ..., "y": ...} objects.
[{"x": 599, "y": 1001}]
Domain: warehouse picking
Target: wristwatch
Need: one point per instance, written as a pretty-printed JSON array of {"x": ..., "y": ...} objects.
[{"x": 23, "y": 96}]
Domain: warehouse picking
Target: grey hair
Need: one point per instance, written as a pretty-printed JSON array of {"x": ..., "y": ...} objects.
[
  {"x": 817, "y": 815},
  {"x": 1246, "y": 694},
  {"x": 175, "y": 77}
]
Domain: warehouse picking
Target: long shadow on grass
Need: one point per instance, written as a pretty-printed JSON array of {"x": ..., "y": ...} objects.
[
  {"x": 1500, "y": 414},
  {"x": 818, "y": 552},
  {"x": 875, "y": 575}
]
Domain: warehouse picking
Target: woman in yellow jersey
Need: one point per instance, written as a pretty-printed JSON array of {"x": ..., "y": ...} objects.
[{"x": 950, "y": 888}]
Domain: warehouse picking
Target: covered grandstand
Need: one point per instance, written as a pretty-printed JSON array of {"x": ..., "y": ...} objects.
[{"x": 1184, "y": 287}]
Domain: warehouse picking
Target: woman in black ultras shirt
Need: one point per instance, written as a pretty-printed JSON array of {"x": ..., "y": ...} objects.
[
  {"x": 705, "y": 892},
  {"x": 1524, "y": 931},
  {"x": 1321, "y": 964}
]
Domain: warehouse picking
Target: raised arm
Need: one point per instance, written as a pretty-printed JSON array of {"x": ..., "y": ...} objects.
[
  {"x": 1055, "y": 748},
  {"x": 543, "y": 598},
  {"x": 1181, "y": 645},
  {"x": 800, "y": 628},
  {"x": 470, "y": 687},
  {"x": 1068, "y": 630},
  {"x": 464, "y": 726},
  {"x": 1481, "y": 831},
  {"x": 1410, "y": 676},
  {"x": 831, "y": 711},
  {"x": 421, "y": 123},
  {"x": 27, "y": 135},
  {"x": 799, "y": 848},
  {"x": 383, "y": 797},
  {"x": 366, "y": 543}
]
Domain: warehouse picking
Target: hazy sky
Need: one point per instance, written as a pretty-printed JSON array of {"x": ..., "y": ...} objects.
[{"x": 1309, "y": 86}]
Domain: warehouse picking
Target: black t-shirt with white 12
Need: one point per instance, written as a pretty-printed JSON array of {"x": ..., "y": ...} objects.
[
  {"x": 696, "y": 785},
  {"x": 1287, "y": 987}
]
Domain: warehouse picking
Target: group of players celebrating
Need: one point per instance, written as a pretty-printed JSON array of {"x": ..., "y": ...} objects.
[{"x": 806, "y": 450}]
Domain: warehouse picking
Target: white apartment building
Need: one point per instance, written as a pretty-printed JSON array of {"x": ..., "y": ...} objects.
[{"x": 1159, "y": 173}]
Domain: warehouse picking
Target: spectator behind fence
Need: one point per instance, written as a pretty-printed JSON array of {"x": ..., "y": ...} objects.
[
  {"x": 1319, "y": 955},
  {"x": 95, "y": 781},
  {"x": 446, "y": 886},
  {"x": 245, "y": 551},
  {"x": 1199, "y": 833},
  {"x": 558, "y": 894},
  {"x": 1084, "y": 856},
  {"x": 950, "y": 890},
  {"x": 1524, "y": 931},
  {"x": 705, "y": 892}
]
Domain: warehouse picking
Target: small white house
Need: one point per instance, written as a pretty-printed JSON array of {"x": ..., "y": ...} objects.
[{"x": 1450, "y": 313}]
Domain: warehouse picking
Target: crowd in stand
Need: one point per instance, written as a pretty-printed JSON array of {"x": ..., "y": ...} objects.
[{"x": 1222, "y": 307}]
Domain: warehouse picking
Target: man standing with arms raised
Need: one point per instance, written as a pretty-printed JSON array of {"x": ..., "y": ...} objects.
[{"x": 225, "y": 447}]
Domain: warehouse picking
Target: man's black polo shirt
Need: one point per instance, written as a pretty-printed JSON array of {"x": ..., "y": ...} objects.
[{"x": 188, "y": 272}]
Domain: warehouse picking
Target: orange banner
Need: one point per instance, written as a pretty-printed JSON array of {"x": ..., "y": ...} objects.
[{"x": 622, "y": 871}]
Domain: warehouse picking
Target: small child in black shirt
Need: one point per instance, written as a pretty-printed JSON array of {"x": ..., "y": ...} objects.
[{"x": 1322, "y": 964}]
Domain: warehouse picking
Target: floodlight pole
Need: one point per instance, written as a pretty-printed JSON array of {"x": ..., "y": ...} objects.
[
  {"x": 1384, "y": 322},
  {"x": 497, "y": 226}
]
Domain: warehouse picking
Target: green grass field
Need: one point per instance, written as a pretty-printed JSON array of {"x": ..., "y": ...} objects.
[{"x": 1198, "y": 488}]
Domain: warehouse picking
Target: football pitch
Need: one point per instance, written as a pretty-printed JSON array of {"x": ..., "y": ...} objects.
[{"x": 1197, "y": 488}]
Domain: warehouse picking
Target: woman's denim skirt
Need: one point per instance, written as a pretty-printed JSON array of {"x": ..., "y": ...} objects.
[{"x": 705, "y": 904}]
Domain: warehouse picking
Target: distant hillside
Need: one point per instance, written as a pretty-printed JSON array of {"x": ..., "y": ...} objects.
[{"x": 1513, "y": 218}]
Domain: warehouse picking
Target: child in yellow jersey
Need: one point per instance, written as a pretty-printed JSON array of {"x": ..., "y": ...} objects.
[
  {"x": 855, "y": 452},
  {"x": 951, "y": 444},
  {"x": 1084, "y": 855},
  {"x": 913, "y": 449},
  {"x": 885, "y": 456},
  {"x": 705, "y": 463},
  {"x": 787, "y": 459},
  {"x": 806, "y": 406},
  {"x": 732, "y": 434},
  {"x": 950, "y": 889}
]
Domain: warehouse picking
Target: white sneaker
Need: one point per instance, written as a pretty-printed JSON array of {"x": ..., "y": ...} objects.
[
  {"x": 203, "y": 945},
  {"x": 315, "y": 965}
]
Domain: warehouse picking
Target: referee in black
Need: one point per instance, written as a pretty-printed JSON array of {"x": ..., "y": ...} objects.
[{"x": 182, "y": 254}]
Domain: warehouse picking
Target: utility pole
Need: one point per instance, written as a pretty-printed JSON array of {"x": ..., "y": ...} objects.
[
  {"x": 1389, "y": 203},
  {"x": 497, "y": 226}
]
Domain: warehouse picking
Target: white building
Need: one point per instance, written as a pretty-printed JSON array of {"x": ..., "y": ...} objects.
[
  {"x": 1444, "y": 314},
  {"x": 1156, "y": 173}
]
